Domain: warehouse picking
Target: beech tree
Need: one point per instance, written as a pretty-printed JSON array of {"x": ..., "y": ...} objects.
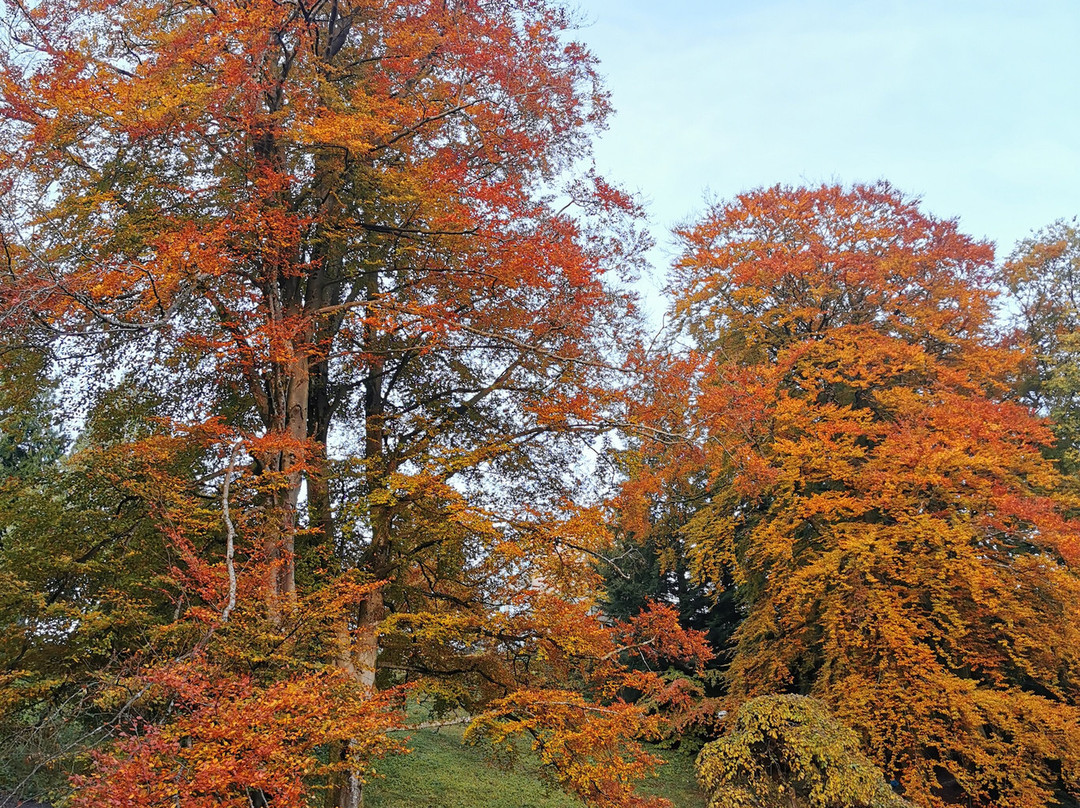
[
  {"x": 896, "y": 537},
  {"x": 356, "y": 254}
]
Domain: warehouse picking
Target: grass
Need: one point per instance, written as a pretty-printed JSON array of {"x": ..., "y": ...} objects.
[
  {"x": 676, "y": 781},
  {"x": 441, "y": 772}
]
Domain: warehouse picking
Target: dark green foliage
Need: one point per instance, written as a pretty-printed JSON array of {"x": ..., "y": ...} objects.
[
  {"x": 29, "y": 439},
  {"x": 653, "y": 572},
  {"x": 28, "y": 444}
]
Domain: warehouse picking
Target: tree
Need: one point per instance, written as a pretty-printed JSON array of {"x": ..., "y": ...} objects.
[
  {"x": 788, "y": 751},
  {"x": 1043, "y": 276},
  {"x": 897, "y": 538},
  {"x": 657, "y": 570},
  {"x": 356, "y": 251},
  {"x": 29, "y": 441},
  {"x": 85, "y": 584}
]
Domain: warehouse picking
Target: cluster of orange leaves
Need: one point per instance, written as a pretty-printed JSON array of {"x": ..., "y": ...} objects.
[{"x": 221, "y": 713}]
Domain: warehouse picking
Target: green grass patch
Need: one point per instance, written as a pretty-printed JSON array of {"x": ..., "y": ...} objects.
[
  {"x": 441, "y": 772},
  {"x": 675, "y": 780}
]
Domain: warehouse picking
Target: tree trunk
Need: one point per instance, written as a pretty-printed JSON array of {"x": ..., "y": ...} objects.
[
  {"x": 350, "y": 793},
  {"x": 365, "y": 653},
  {"x": 289, "y": 421}
]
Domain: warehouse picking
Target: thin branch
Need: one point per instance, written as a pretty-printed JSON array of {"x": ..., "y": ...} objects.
[
  {"x": 450, "y": 722},
  {"x": 230, "y": 533},
  {"x": 599, "y": 557}
]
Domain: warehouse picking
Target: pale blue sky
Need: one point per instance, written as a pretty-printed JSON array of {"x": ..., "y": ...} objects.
[{"x": 974, "y": 106}]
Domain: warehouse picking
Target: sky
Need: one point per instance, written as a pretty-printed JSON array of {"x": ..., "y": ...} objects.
[{"x": 972, "y": 106}]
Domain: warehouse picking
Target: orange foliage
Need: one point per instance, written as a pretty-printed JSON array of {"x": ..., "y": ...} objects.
[
  {"x": 584, "y": 743},
  {"x": 589, "y": 737},
  {"x": 896, "y": 535}
]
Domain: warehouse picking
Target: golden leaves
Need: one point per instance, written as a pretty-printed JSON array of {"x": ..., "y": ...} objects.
[{"x": 789, "y": 750}]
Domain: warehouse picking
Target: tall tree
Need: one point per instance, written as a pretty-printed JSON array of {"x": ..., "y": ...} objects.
[
  {"x": 29, "y": 440},
  {"x": 896, "y": 536},
  {"x": 357, "y": 250}
]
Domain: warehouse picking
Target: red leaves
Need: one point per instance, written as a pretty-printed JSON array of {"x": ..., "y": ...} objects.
[
  {"x": 231, "y": 737},
  {"x": 783, "y": 264},
  {"x": 656, "y": 635},
  {"x": 252, "y": 707}
]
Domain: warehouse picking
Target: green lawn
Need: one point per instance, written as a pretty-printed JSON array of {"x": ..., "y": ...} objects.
[{"x": 440, "y": 772}]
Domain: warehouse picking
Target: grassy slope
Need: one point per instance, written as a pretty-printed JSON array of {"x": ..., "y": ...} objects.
[{"x": 442, "y": 773}]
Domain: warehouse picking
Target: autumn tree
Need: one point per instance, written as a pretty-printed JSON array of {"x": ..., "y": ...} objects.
[
  {"x": 89, "y": 580},
  {"x": 356, "y": 253},
  {"x": 896, "y": 535},
  {"x": 1043, "y": 278}
]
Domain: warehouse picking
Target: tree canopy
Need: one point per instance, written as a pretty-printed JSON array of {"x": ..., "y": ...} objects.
[{"x": 900, "y": 544}]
